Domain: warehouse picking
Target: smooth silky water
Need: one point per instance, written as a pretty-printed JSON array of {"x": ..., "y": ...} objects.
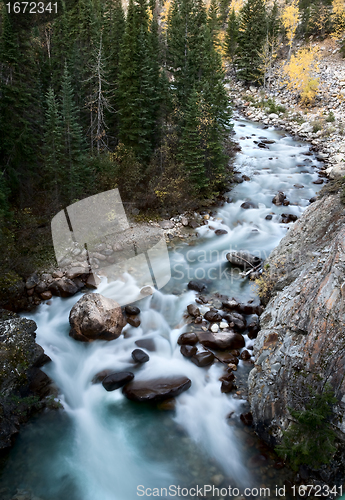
[{"x": 102, "y": 446}]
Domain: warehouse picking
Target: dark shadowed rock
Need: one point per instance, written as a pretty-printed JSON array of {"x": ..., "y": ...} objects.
[
  {"x": 230, "y": 304},
  {"x": 132, "y": 310},
  {"x": 245, "y": 355},
  {"x": 32, "y": 281},
  {"x": 253, "y": 330},
  {"x": 248, "y": 204},
  {"x": 193, "y": 310},
  {"x": 95, "y": 317},
  {"x": 140, "y": 356},
  {"x": 247, "y": 418},
  {"x": 63, "y": 287},
  {"x": 202, "y": 359},
  {"x": 221, "y": 340},
  {"x": 197, "y": 286},
  {"x": 286, "y": 218},
  {"x": 46, "y": 295},
  {"x": 226, "y": 357},
  {"x": 269, "y": 217},
  {"x": 237, "y": 319},
  {"x": 220, "y": 232},
  {"x": 148, "y": 391},
  {"x": 227, "y": 386},
  {"x": 189, "y": 338},
  {"x": 117, "y": 380},
  {"x": 133, "y": 321},
  {"x": 213, "y": 316},
  {"x": 188, "y": 350}
]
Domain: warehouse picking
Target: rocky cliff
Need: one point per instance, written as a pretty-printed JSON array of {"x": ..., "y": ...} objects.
[
  {"x": 22, "y": 384},
  {"x": 302, "y": 339}
]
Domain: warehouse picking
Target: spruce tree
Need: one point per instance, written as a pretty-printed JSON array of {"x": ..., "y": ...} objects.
[
  {"x": 232, "y": 37},
  {"x": 75, "y": 167},
  {"x": 53, "y": 146},
  {"x": 20, "y": 110},
  {"x": 114, "y": 28},
  {"x": 191, "y": 147},
  {"x": 137, "y": 91},
  {"x": 214, "y": 21},
  {"x": 251, "y": 38}
]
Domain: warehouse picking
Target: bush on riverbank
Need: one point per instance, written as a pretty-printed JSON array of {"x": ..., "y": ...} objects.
[{"x": 310, "y": 437}]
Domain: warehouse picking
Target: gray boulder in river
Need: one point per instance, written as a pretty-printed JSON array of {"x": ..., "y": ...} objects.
[
  {"x": 95, "y": 317},
  {"x": 302, "y": 339},
  {"x": 243, "y": 259}
]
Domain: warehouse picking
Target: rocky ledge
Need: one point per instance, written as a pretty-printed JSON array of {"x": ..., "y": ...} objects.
[
  {"x": 23, "y": 386},
  {"x": 302, "y": 339}
]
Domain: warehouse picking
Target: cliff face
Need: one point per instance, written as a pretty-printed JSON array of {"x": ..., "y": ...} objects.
[
  {"x": 302, "y": 337},
  {"x": 22, "y": 384}
]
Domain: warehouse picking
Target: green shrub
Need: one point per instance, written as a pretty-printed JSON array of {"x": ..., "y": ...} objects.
[
  {"x": 317, "y": 125},
  {"x": 310, "y": 438},
  {"x": 273, "y": 107},
  {"x": 330, "y": 118}
]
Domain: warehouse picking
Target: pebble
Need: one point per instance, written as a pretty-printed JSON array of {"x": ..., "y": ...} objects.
[{"x": 214, "y": 328}]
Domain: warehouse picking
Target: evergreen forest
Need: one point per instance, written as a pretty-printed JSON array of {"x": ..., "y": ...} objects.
[{"x": 103, "y": 94}]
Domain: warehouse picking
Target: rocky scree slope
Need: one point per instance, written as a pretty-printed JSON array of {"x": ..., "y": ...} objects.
[{"x": 302, "y": 339}]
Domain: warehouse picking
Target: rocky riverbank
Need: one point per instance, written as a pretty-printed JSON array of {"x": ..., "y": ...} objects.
[
  {"x": 321, "y": 124},
  {"x": 24, "y": 387},
  {"x": 301, "y": 342}
]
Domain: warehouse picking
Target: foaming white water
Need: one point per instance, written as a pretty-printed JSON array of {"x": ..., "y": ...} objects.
[{"x": 115, "y": 445}]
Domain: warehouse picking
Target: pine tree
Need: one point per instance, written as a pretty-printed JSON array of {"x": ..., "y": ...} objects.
[
  {"x": 137, "y": 93},
  {"x": 271, "y": 44},
  {"x": 190, "y": 151},
  {"x": 75, "y": 167},
  {"x": 251, "y": 38},
  {"x": 114, "y": 28},
  {"x": 53, "y": 146},
  {"x": 20, "y": 109},
  {"x": 231, "y": 37},
  {"x": 214, "y": 20}
]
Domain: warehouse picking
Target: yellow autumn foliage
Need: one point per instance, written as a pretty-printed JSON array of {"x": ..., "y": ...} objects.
[
  {"x": 338, "y": 11},
  {"x": 165, "y": 14},
  {"x": 237, "y": 5},
  {"x": 300, "y": 74},
  {"x": 290, "y": 18}
]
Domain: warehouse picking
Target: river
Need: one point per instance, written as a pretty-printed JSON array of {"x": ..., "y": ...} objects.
[{"x": 104, "y": 447}]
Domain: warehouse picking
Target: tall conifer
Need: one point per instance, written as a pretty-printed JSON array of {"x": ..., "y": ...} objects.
[{"x": 251, "y": 38}]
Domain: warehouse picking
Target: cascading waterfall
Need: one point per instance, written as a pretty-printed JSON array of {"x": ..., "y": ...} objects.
[{"x": 103, "y": 446}]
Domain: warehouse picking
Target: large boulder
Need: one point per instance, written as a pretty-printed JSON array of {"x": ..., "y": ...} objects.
[
  {"x": 95, "y": 317},
  {"x": 301, "y": 341},
  {"x": 149, "y": 391},
  {"x": 221, "y": 340}
]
